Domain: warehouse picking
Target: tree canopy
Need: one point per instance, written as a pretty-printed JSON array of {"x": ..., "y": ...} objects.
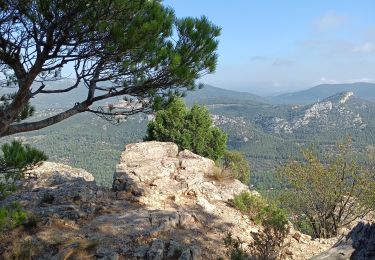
[
  {"x": 330, "y": 196},
  {"x": 136, "y": 49},
  {"x": 190, "y": 129}
]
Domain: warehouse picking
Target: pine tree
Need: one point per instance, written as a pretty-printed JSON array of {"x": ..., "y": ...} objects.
[{"x": 190, "y": 129}]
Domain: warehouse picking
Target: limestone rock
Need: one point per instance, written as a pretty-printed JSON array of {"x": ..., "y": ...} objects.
[
  {"x": 50, "y": 174},
  {"x": 358, "y": 244},
  {"x": 194, "y": 163},
  {"x": 205, "y": 204},
  {"x": 151, "y": 150},
  {"x": 162, "y": 206},
  {"x": 54, "y": 189},
  {"x": 157, "y": 168}
]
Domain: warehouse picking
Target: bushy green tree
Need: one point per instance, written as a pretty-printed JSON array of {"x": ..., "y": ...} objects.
[
  {"x": 328, "y": 195},
  {"x": 190, "y": 129},
  {"x": 235, "y": 163}
]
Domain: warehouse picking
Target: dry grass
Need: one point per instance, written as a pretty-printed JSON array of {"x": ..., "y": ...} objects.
[
  {"x": 220, "y": 175},
  {"x": 26, "y": 248},
  {"x": 78, "y": 249},
  {"x": 59, "y": 236}
]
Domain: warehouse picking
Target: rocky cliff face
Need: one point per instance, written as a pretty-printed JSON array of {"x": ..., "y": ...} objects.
[
  {"x": 340, "y": 110},
  {"x": 162, "y": 206}
]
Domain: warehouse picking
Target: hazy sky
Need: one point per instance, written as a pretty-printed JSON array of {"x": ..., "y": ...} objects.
[{"x": 269, "y": 46}]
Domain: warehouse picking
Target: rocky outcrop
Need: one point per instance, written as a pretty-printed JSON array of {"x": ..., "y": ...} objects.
[
  {"x": 58, "y": 190},
  {"x": 157, "y": 171},
  {"x": 358, "y": 244},
  {"x": 163, "y": 205},
  {"x": 337, "y": 111},
  {"x": 49, "y": 174}
]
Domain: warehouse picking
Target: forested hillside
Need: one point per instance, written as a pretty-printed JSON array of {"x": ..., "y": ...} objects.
[{"x": 257, "y": 128}]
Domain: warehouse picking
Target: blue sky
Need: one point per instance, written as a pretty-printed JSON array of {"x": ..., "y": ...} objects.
[{"x": 273, "y": 46}]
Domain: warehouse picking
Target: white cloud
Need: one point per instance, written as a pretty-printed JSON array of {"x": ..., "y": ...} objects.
[
  {"x": 324, "y": 80},
  {"x": 330, "y": 21},
  {"x": 365, "y": 47},
  {"x": 364, "y": 79}
]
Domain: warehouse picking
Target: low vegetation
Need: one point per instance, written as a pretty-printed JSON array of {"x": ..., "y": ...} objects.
[
  {"x": 16, "y": 160},
  {"x": 14, "y": 163},
  {"x": 327, "y": 196},
  {"x": 270, "y": 242},
  {"x": 12, "y": 216},
  {"x": 250, "y": 204},
  {"x": 235, "y": 164}
]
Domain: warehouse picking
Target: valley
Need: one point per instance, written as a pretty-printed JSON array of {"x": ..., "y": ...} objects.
[{"x": 267, "y": 133}]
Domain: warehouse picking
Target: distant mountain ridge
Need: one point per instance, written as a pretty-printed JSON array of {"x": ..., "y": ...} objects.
[
  {"x": 209, "y": 94},
  {"x": 337, "y": 112},
  {"x": 361, "y": 90},
  {"x": 267, "y": 133}
]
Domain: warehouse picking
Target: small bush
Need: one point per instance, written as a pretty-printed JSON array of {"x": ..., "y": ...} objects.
[
  {"x": 6, "y": 189},
  {"x": 269, "y": 243},
  {"x": 302, "y": 224},
  {"x": 249, "y": 204},
  {"x": 32, "y": 221},
  {"x": 218, "y": 174},
  {"x": 12, "y": 216},
  {"x": 16, "y": 160},
  {"x": 235, "y": 164}
]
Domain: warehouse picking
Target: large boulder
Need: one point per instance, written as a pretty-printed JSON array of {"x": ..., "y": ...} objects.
[
  {"x": 58, "y": 190},
  {"x": 157, "y": 170},
  {"x": 49, "y": 174}
]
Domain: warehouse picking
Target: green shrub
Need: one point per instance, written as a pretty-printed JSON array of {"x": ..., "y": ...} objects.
[
  {"x": 260, "y": 210},
  {"x": 302, "y": 224},
  {"x": 16, "y": 160},
  {"x": 235, "y": 163},
  {"x": 12, "y": 216},
  {"x": 6, "y": 189},
  {"x": 250, "y": 204},
  {"x": 190, "y": 129},
  {"x": 274, "y": 216},
  {"x": 268, "y": 243},
  {"x": 330, "y": 195}
]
